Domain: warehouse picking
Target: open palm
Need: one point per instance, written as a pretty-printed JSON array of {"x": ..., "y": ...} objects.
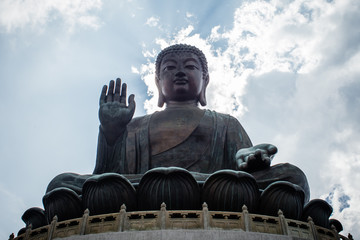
[{"x": 114, "y": 114}]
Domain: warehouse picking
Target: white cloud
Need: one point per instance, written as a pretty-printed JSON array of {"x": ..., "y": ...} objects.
[
  {"x": 134, "y": 70},
  {"x": 312, "y": 119},
  {"x": 152, "y": 21},
  {"x": 219, "y": 67},
  {"x": 20, "y": 14}
]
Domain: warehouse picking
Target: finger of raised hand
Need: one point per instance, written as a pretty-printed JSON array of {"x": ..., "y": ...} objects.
[
  {"x": 132, "y": 103},
  {"x": 117, "y": 90},
  {"x": 110, "y": 94},
  {"x": 123, "y": 93},
  {"x": 103, "y": 95}
]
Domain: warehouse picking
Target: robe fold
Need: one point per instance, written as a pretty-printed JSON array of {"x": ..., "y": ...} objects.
[
  {"x": 210, "y": 147},
  {"x": 218, "y": 137}
]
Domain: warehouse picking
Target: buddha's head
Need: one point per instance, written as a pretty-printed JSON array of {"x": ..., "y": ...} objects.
[{"x": 181, "y": 75}]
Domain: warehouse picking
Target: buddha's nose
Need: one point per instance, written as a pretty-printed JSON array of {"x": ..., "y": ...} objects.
[{"x": 180, "y": 73}]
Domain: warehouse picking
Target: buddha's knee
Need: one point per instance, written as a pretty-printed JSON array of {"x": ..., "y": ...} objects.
[
  {"x": 294, "y": 175},
  {"x": 283, "y": 172},
  {"x": 72, "y": 181}
]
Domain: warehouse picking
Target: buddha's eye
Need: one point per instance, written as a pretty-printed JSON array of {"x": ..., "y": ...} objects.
[
  {"x": 169, "y": 68},
  {"x": 191, "y": 67}
]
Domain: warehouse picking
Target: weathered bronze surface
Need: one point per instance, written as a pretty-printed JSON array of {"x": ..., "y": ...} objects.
[
  {"x": 62, "y": 202},
  {"x": 319, "y": 210},
  {"x": 197, "y": 142},
  {"x": 182, "y": 135},
  {"x": 174, "y": 186},
  {"x": 34, "y": 216},
  {"x": 285, "y": 196},
  {"x": 106, "y": 193},
  {"x": 229, "y": 190}
]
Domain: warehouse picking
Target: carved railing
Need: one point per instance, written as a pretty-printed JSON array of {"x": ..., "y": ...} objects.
[{"x": 192, "y": 219}]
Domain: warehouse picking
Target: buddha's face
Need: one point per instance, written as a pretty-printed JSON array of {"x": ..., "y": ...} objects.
[{"x": 181, "y": 77}]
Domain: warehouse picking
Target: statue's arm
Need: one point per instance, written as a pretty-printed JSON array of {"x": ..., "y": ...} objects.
[
  {"x": 114, "y": 115},
  {"x": 110, "y": 158},
  {"x": 236, "y": 138}
]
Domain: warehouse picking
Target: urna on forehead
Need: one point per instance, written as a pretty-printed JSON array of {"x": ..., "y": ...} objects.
[{"x": 182, "y": 48}]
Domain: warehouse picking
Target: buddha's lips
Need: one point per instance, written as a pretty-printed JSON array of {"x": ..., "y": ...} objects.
[{"x": 180, "y": 81}]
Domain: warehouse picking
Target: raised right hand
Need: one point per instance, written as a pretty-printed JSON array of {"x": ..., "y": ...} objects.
[{"x": 114, "y": 114}]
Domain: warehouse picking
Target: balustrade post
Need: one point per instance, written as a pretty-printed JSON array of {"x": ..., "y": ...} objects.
[
  {"x": 206, "y": 216},
  {"x": 84, "y": 222},
  {"x": 163, "y": 216},
  {"x": 283, "y": 223},
  {"x": 246, "y": 217},
  {"x": 122, "y": 218},
  {"x": 313, "y": 228},
  {"x": 52, "y": 227}
]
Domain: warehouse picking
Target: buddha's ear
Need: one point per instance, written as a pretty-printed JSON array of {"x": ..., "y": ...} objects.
[
  {"x": 161, "y": 99},
  {"x": 202, "y": 97}
]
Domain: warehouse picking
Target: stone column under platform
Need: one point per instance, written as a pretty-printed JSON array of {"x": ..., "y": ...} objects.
[{"x": 181, "y": 234}]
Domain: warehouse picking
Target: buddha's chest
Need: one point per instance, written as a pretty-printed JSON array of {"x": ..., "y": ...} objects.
[{"x": 170, "y": 128}]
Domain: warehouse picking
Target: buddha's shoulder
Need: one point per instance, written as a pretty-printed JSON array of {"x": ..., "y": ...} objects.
[
  {"x": 141, "y": 121},
  {"x": 144, "y": 121},
  {"x": 222, "y": 116}
]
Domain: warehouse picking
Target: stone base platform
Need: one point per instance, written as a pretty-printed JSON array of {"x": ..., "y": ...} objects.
[
  {"x": 180, "y": 224},
  {"x": 181, "y": 234}
]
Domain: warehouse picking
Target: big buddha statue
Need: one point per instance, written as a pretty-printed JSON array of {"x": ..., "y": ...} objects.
[{"x": 182, "y": 141}]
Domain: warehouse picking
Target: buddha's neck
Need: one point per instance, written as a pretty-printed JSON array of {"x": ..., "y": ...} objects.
[{"x": 184, "y": 104}]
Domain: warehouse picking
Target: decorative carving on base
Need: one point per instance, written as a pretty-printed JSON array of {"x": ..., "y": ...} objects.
[
  {"x": 164, "y": 219},
  {"x": 337, "y": 224},
  {"x": 285, "y": 196},
  {"x": 35, "y": 217},
  {"x": 106, "y": 193},
  {"x": 229, "y": 190},
  {"x": 63, "y": 203},
  {"x": 319, "y": 210},
  {"x": 176, "y": 187}
]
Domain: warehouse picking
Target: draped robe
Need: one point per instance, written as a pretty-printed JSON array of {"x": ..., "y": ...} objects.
[{"x": 210, "y": 147}]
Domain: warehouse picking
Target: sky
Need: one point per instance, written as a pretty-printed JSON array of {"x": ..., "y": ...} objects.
[{"x": 288, "y": 70}]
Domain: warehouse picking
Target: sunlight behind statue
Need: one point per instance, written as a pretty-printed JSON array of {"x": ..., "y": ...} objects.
[{"x": 198, "y": 143}]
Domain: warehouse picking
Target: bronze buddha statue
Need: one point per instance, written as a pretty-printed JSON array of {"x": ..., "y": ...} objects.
[{"x": 182, "y": 135}]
